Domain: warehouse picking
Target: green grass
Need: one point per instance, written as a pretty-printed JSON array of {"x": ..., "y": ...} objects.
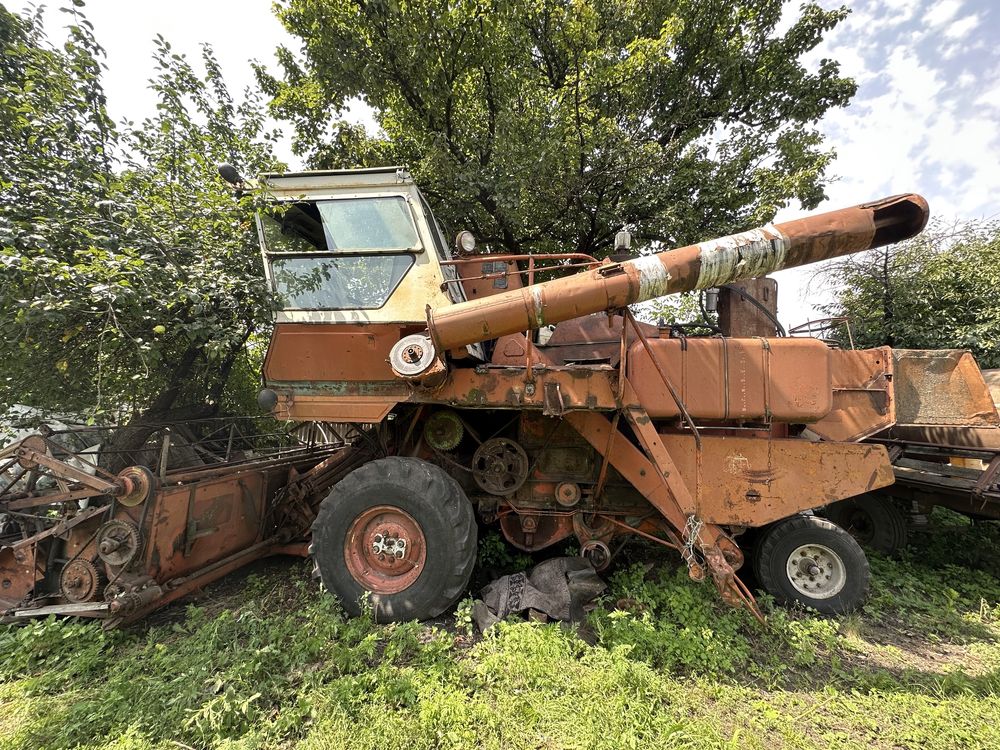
[{"x": 269, "y": 662}]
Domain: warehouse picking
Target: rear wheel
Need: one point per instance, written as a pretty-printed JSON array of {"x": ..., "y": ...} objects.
[
  {"x": 812, "y": 561},
  {"x": 400, "y": 530},
  {"x": 874, "y": 520}
]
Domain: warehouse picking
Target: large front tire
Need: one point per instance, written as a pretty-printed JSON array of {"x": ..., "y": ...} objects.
[
  {"x": 812, "y": 561},
  {"x": 399, "y": 531}
]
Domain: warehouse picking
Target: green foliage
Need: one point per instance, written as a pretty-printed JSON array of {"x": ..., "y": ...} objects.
[
  {"x": 673, "y": 624},
  {"x": 686, "y": 308},
  {"x": 463, "y": 618},
  {"x": 495, "y": 555},
  {"x": 543, "y": 125},
  {"x": 270, "y": 662},
  {"x": 131, "y": 275},
  {"x": 936, "y": 291}
]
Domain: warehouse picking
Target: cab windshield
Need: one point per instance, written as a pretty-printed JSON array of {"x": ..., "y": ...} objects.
[{"x": 342, "y": 254}]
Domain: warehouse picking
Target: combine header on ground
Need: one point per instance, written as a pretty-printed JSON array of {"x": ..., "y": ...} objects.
[{"x": 77, "y": 539}]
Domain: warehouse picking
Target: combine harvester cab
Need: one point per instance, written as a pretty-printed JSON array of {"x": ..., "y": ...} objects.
[{"x": 522, "y": 389}]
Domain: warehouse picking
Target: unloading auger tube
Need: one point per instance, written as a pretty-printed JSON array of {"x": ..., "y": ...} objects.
[{"x": 614, "y": 285}]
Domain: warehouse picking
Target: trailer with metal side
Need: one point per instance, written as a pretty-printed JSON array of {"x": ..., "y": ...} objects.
[{"x": 942, "y": 432}]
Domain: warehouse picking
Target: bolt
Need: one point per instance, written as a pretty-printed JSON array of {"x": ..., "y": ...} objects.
[{"x": 110, "y": 545}]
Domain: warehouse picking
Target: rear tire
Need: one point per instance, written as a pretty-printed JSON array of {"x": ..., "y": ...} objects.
[
  {"x": 810, "y": 560},
  {"x": 874, "y": 520},
  {"x": 402, "y": 531}
]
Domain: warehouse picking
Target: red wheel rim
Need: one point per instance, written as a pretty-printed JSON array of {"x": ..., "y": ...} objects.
[{"x": 385, "y": 550}]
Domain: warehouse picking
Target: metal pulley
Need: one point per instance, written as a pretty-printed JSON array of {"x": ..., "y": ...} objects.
[
  {"x": 500, "y": 466},
  {"x": 80, "y": 581},
  {"x": 137, "y": 484},
  {"x": 412, "y": 355},
  {"x": 568, "y": 494},
  {"x": 444, "y": 430},
  {"x": 118, "y": 542}
]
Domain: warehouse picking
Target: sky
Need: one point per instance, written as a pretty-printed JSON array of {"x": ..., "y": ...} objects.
[{"x": 926, "y": 117}]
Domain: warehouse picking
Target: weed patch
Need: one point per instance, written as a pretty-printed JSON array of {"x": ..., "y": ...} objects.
[{"x": 280, "y": 666}]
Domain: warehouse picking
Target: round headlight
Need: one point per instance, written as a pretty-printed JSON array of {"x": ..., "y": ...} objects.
[{"x": 465, "y": 242}]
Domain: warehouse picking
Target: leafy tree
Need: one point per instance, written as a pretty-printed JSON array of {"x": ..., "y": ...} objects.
[
  {"x": 936, "y": 291},
  {"x": 130, "y": 274},
  {"x": 544, "y": 124}
]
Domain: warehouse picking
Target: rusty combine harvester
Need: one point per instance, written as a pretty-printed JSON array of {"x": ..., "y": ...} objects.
[
  {"x": 514, "y": 390},
  {"x": 521, "y": 389}
]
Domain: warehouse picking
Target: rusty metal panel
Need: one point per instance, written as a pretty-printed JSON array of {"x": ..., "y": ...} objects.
[
  {"x": 197, "y": 524},
  {"x": 482, "y": 276},
  {"x": 592, "y": 339},
  {"x": 512, "y": 387},
  {"x": 331, "y": 407},
  {"x": 992, "y": 379},
  {"x": 551, "y": 390},
  {"x": 754, "y": 481},
  {"x": 512, "y": 351},
  {"x": 941, "y": 388},
  {"x": 17, "y": 575},
  {"x": 862, "y": 395},
  {"x": 735, "y": 379},
  {"x": 330, "y": 352},
  {"x": 739, "y": 318}
]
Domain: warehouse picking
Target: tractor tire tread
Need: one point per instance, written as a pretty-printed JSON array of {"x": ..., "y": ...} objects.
[
  {"x": 449, "y": 502},
  {"x": 851, "y": 554}
]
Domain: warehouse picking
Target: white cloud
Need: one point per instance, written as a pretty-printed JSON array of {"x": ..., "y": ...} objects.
[
  {"x": 966, "y": 79},
  {"x": 925, "y": 118},
  {"x": 941, "y": 13},
  {"x": 961, "y": 28}
]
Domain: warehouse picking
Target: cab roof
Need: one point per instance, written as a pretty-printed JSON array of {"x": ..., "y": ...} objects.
[{"x": 292, "y": 182}]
